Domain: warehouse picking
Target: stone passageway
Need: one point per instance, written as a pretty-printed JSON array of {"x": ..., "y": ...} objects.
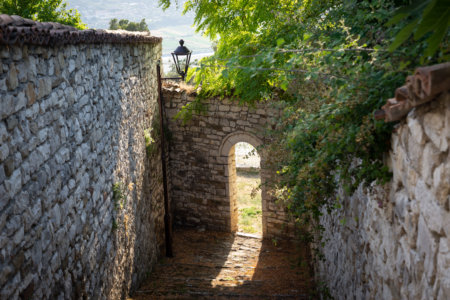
[{"x": 213, "y": 265}]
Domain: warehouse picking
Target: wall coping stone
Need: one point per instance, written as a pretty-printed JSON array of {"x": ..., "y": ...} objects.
[
  {"x": 422, "y": 87},
  {"x": 176, "y": 88},
  {"x": 15, "y": 30}
]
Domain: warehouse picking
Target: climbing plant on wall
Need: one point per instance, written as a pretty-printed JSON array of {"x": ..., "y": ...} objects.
[{"x": 330, "y": 64}]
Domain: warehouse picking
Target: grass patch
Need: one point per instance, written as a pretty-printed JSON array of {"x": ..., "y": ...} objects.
[{"x": 249, "y": 200}]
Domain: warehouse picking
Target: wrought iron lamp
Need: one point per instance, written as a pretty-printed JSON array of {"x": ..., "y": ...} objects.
[{"x": 182, "y": 57}]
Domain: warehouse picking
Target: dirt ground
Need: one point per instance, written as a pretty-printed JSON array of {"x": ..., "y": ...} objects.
[{"x": 213, "y": 265}]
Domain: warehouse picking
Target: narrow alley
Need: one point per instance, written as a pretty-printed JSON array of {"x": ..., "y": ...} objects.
[{"x": 213, "y": 265}]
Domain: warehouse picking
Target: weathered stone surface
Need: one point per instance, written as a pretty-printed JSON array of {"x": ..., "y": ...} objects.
[
  {"x": 202, "y": 148},
  {"x": 434, "y": 124},
  {"x": 403, "y": 250},
  {"x": 66, "y": 137},
  {"x": 14, "y": 183},
  {"x": 416, "y": 130},
  {"x": 4, "y": 152},
  {"x": 431, "y": 159},
  {"x": 44, "y": 87},
  {"x": 12, "y": 82}
]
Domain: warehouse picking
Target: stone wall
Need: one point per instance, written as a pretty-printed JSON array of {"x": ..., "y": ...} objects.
[
  {"x": 394, "y": 243},
  {"x": 72, "y": 121},
  {"x": 202, "y": 168}
]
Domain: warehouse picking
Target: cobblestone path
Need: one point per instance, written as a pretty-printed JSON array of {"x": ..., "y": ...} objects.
[{"x": 212, "y": 265}]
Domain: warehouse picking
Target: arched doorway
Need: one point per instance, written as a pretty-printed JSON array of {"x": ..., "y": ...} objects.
[
  {"x": 248, "y": 192},
  {"x": 227, "y": 152}
]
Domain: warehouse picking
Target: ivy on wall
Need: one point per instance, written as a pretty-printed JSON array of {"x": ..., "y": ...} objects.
[{"x": 330, "y": 65}]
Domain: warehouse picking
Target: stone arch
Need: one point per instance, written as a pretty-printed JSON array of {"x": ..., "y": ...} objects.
[
  {"x": 227, "y": 154},
  {"x": 239, "y": 136},
  {"x": 200, "y": 156}
]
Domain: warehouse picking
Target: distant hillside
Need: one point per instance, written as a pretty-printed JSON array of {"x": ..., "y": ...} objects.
[{"x": 170, "y": 24}]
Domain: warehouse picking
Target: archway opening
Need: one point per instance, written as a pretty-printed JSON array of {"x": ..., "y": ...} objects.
[{"x": 248, "y": 191}]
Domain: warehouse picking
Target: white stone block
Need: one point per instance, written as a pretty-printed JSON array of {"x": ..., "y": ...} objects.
[
  {"x": 433, "y": 123},
  {"x": 426, "y": 247},
  {"x": 438, "y": 176},
  {"x": 429, "y": 162},
  {"x": 429, "y": 208},
  {"x": 401, "y": 201}
]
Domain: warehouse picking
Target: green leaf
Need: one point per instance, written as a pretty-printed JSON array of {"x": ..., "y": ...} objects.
[
  {"x": 397, "y": 18},
  {"x": 284, "y": 85},
  {"x": 410, "y": 10},
  {"x": 435, "y": 39},
  {"x": 432, "y": 18},
  {"x": 225, "y": 73},
  {"x": 306, "y": 36},
  {"x": 403, "y": 35},
  {"x": 403, "y": 65},
  {"x": 280, "y": 42}
]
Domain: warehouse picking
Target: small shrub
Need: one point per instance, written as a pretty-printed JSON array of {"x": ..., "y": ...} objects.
[
  {"x": 118, "y": 196},
  {"x": 114, "y": 225},
  {"x": 150, "y": 144}
]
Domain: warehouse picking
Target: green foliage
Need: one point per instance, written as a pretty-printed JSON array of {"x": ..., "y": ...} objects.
[
  {"x": 43, "y": 11},
  {"x": 118, "y": 196},
  {"x": 429, "y": 17},
  {"x": 187, "y": 111},
  {"x": 114, "y": 225},
  {"x": 124, "y": 24},
  {"x": 327, "y": 64},
  {"x": 150, "y": 145},
  {"x": 250, "y": 211}
]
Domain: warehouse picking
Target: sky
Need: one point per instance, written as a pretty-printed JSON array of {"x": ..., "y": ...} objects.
[{"x": 171, "y": 24}]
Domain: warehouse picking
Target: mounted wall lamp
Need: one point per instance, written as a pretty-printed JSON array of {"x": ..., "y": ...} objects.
[{"x": 181, "y": 58}]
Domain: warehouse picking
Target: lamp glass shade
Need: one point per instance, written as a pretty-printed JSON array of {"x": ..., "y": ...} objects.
[{"x": 182, "y": 57}]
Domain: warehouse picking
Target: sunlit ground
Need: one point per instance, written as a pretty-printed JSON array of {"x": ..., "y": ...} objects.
[
  {"x": 240, "y": 264},
  {"x": 249, "y": 201},
  {"x": 248, "y": 191},
  {"x": 217, "y": 265}
]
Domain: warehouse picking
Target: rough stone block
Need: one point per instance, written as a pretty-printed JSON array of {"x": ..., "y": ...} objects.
[
  {"x": 14, "y": 183},
  {"x": 21, "y": 102},
  {"x": 12, "y": 81},
  {"x": 431, "y": 158},
  {"x": 433, "y": 124},
  {"x": 414, "y": 151},
  {"x": 44, "y": 87},
  {"x": 4, "y": 152},
  {"x": 443, "y": 268},
  {"x": 7, "y": 106},
  {"x": 22, "y": 71}
]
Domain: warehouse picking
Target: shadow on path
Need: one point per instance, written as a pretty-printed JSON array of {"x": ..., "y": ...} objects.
[{"x": 216, "y": 265}]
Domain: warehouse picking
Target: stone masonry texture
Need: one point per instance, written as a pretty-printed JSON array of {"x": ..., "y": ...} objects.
[
  {"x": 80, "y": 201},
  {"x": 81, "y": 194},
  {"x": 202, "y": 168},
  {"x": 394, "y": 242}
]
